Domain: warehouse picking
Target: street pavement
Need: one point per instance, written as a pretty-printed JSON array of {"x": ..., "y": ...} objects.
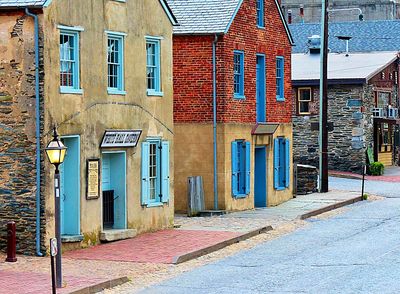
[
  {"x": 354, "y": 252},
  {"x": 380, "y": 188}
]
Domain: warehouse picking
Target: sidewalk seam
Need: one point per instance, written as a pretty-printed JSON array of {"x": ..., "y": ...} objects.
[
  {"x": 212, "y": 248},
  {"x": 330, "y": 207}
]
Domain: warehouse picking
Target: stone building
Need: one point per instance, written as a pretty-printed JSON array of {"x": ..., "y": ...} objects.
[
  {"x": 115, "y": 119},
  {"x": 309, "y": 11},
  {"x": 363, "y": 106},
  {"x": 232, "y": 95}
]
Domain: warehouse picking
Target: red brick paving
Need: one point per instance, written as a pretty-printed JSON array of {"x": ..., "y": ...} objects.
[
  {"x": 392, "y": 179},
  {"x": 158, "y": 247},
  {"x": 13, "y": 282}
]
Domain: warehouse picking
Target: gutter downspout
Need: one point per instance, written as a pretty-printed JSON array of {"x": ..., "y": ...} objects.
[
  {"x": 214, "y": 45},
  {"x": 37, "y": 113}
]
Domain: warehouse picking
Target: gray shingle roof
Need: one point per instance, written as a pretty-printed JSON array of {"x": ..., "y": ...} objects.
[
  {"x": 21, "y": 3},
  {"x": 367, "y": 36},
  {"x": 203, "y": 16},
  {"x": 360, "y": 65}
]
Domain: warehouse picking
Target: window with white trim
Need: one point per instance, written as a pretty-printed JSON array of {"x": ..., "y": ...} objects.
[{"x": 304, "y": 100}]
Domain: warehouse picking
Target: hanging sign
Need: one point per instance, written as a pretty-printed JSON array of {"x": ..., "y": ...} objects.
[
  {"x": 123, "y": 138},
  {"x": 93, "y": 178}
]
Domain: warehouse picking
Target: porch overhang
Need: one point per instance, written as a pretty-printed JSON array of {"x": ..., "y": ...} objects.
[{"x": 264, "y": 129}]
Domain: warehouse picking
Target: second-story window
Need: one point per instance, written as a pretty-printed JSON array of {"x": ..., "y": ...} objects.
[
  {"x": 238, "y": 74},
  {"x": 69, "y": 60},
  {"x": 260, "y": 13},
  {"x": 304, "y": 99},
  {"x": 115, "y": 63},
  {"x": 153, "y": 66},
  {"x": 280, "y": 89}
]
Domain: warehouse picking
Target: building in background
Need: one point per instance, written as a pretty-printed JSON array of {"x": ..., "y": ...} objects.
[
  {"x": 362, "y": 107},
  {"x": 106, "y": 82},
  {"x": 251, "y": 45},
  {"x": 309, "y": 11}
]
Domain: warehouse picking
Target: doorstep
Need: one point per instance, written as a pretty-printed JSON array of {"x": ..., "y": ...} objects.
[{"x": 114, "y": 235}]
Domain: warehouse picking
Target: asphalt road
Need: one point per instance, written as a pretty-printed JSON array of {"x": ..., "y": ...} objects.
[
  {"x": 386, "y": 189},
  {"x": 354, "y": 252}
]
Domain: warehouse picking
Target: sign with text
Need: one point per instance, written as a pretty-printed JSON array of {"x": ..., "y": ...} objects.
[
  {"x": 123, "y": 138},
  {"x": 93, "y": 178}
]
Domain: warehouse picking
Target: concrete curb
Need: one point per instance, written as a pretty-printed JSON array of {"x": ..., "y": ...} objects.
[
  {"x": 197, "y": 253},
  {"x": 101, "y": 286},
  {"x": 330, "y": 207}
]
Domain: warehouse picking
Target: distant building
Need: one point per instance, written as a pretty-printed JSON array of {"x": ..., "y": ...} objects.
[
  {"x": 309, "y": 11},
  {"x": 366, "y": 36},
  {"x": 363, "y": 102}
]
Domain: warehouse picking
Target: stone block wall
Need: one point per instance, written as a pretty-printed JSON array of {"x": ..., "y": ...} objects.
[
  {"x": 306, "y": 179},
  {"x": 342, "y": 156},
  {"x": 17, "y": 131}
]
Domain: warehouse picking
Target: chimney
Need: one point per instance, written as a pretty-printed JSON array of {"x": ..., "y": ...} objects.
[
  {"x": 314, "y": 44},
  {"x": 347, "y": 39},
  {"x": 289, "y": 16},
  {"x": 301, "y": 13}
]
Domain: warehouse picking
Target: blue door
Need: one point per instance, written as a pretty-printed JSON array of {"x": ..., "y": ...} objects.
[
  {"x": 70, "y": 188},
  {"x": 260, "y": 177},
  {"x": 260, "y": 88},
  {"x": 113, "y": 185}
]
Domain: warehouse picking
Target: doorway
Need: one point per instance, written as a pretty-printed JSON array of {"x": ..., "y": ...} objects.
[
  {"x": 70, "y": 187},
  {"x": 260, "y": 176},
  {"x": 113, "y": 183},
  {"x": 260, "y": 88}
]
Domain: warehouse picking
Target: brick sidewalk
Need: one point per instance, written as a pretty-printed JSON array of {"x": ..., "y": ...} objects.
[
  {"x": 16, "y": 282},
  {"x": 159, "y": 247},
  {"x": 384, "y": 178}
]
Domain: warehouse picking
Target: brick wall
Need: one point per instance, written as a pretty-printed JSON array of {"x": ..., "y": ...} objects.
[{"x": 193, "y": 70}]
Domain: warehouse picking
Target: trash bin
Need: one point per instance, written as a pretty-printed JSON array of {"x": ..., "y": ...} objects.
[{"x": 195, "y": 195}]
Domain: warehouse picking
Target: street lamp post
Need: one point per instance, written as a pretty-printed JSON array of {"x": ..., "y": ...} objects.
[{"x": 56, "y": 151}]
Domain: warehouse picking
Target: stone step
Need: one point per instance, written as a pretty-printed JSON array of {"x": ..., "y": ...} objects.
[{"x": 114, "y": 235}]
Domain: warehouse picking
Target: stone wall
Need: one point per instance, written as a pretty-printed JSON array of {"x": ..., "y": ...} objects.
[
  {"x": 342, "y": 156},
  {"x": 306, "y": 179},
  {"x": 17, "y": 130}
]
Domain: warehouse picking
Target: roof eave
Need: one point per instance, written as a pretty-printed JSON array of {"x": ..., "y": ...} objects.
[
  {"x": 233, "y": 16},
  {"x": 371, "y": 75},
  {"x": 197, "y": 33},
  {"x": 316, "y": 82},
  {"x": 169, "y": 13}
]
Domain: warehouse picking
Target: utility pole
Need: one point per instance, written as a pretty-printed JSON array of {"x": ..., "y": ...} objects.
[{"x": 323, "y": 102}]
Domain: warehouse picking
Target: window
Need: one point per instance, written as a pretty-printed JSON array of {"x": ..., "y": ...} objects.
[
  {"x": 280, "y": 90},
  {"x": 281, "y": 163},
  {"x": 304, "y": 99},
  {"x": 155, "y": 172},
  {"x": 115, "y": 63},
  {"x": 69, "y": 61},
  {"x": 153, "y": 66},
  {"x": 240, "y": 168},
  {"x": 238, "y": 74},
  {"x": 260, "y": 13},
  {"x": 383, "y": 99}
]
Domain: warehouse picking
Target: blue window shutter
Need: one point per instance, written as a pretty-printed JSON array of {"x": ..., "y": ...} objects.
[
  {"x": 247, "y": 168},
  {"x": 165, "y": 171},
  {"x": 235, "y": 171},
  {"x": 145, "y": 173},
  {"x": 287, "y": 162},
  {"x": 276, "y": 163}
]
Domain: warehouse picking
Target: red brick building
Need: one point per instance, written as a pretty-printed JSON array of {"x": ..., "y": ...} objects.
[{"x": 233, "y": 129}]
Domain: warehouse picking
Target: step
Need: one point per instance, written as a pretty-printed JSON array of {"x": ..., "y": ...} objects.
[{"x": 114, "y": 235}]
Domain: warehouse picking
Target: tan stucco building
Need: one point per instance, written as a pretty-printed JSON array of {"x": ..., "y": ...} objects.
[{"x": 106, "y": 82}]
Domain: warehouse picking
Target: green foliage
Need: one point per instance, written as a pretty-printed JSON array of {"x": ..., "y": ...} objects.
[
  {"x": 365, "y": 196},
  {"x": 377, "y": 168}
]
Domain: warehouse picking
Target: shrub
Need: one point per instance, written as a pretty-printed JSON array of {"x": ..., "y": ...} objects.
[{"x": 377, "y": 168}]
